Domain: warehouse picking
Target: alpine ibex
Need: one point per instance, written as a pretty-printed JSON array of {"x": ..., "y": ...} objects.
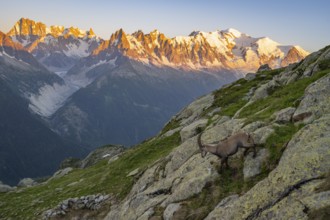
[{"x": 228, "y": 146}]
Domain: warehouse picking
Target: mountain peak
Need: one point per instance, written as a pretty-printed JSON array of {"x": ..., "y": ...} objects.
[
  {"x": 119, "y": 39},
  {"x": 234, "y": 32},
  {"x": 91, "y": 33},
  {"x": 6, "y": 41},
  {"x": 26, "y": 26},
  {"x": 194, "y": 33}
]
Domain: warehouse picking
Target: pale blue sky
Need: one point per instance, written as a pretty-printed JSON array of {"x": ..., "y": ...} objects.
[{"x": 298, "y": 22}]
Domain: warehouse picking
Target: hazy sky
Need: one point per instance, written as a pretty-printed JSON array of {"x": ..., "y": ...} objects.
[{"x": 298, "y": 22}]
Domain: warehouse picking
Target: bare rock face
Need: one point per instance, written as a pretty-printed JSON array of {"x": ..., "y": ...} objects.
[
  {"x": 101, "y": 153},
  {"x": 264, "y": 67},
  {"x": 28, "y": 27},
  {"x": 26, "y": 182},
  {"x": 180, "y": 175},
  {"x": 252, "y": 166},
  {"x": 250, "y": 76},
  {"x": 263, "y": 90},
  {"x": 316, "y": 101},
  {"x": 194, "y": 110},
  {"x": 284, "y": 115},
  {"x": 61, "y": 173},
  {"x": 191, "y": 130},
  {"x": 170, "y": 210}
]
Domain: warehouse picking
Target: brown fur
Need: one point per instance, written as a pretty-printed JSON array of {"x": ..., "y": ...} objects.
[{"x": 228, "y": 146}]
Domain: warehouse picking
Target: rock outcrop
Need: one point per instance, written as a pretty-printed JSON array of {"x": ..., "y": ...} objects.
[
  {"x": 90, "y": 202},
  {"x": 26, "y": 182},
  {"x": 5, "y": 188}
]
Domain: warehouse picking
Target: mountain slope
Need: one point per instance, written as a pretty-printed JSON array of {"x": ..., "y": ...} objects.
[
  {"x": 285, "y": 110},
  {"x": 27, "y": 147},
  {"x": 45, "y": 91},
  {"x": 56, "y": 47},
  {"x": 128, "y": 101}
]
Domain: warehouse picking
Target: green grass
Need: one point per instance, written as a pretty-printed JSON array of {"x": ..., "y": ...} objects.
[
  {"x": 324, "y": 64},
  {"x": 282, "y": 97},
  {"x": 231, "y": 98},
  {"x": 174, "y": 123},
  {"x": 277, "y": 141},
  {"x": 100, "y": 178}
]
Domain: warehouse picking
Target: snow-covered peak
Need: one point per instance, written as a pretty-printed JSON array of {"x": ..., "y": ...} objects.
[
  {"x": 75, "y": 32},
  {"x": 26, "y": 27},
  {"x": 234, "y": 32},
  {"x": 266, "y": 46},
  {"x": 301, "y": 50},
  {"x": 228, "y": 48}
]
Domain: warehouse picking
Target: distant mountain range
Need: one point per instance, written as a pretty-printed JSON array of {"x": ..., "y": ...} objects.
[{"x": 122, "y": 90}]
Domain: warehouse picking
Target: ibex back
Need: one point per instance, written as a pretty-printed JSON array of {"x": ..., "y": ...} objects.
[{"x": 228, "y": 147}]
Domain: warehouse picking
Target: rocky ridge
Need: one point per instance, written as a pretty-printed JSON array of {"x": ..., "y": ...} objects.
[
  {"x": 56, "y": 47},
  {"x": 59, "y": 48},
  {"x": 226, "y": 49}
]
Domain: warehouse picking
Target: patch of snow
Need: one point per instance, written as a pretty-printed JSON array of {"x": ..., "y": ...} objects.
[
  {"x": 182, "y": 39},
  {"x": 81, "y": 80},
  {"x": 106, "y": 155},
  {"x": 234, "y": 32},
  {"x": 25, "y": 42},
  {"x": 50, "y": 98},
  {"x": 61, "y": 73},
  {"x": 4, "y": 52},
  {"x": 214, "y": 39},
  {"x": 268, "y": 47},
  {"x": 301, "y": 50},
  {"x": 77, "y": 50}
]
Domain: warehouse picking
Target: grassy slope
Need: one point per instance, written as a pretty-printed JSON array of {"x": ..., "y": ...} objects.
[
  {"x": 112, "y": 178},
  {"x": 105, "y": 178}
]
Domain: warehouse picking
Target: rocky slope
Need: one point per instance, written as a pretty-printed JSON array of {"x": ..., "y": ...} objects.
[
  {"x": 183, "y": 185},
  {"x": 285, "y": 110}
]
